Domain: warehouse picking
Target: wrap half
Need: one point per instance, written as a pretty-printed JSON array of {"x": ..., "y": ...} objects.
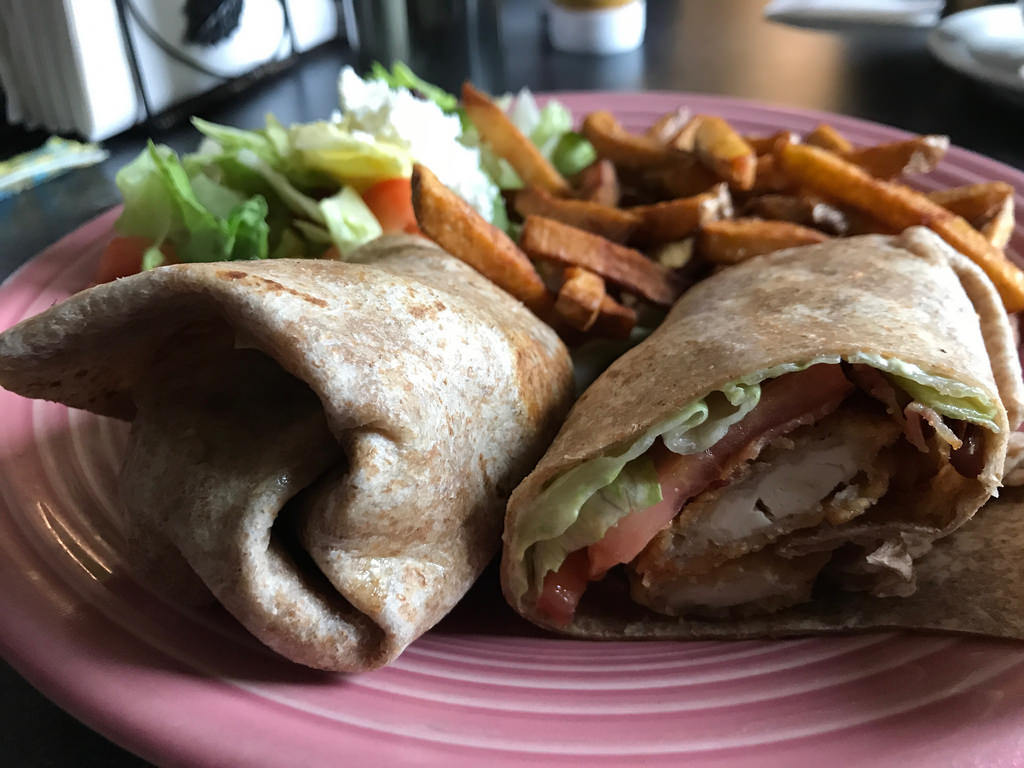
[
  {"x": 328, "y": 446},
  {"x": 802, "y": 426}
]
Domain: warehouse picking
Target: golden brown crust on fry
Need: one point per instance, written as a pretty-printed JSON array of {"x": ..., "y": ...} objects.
[
  {"x": 768, "y": 176},
  {"x": 808, "y": 210},
  {"x": 685, "y": 139},
  {"x": 725, "y": 152},
  {"x": 599, "y": 183},
  {"x": 613, "y": 223},
  {"x": 827, "y": 137},
  {"x": 999, "y": 229},
  {"x": 580, "y": 298},
  {"x": 551, "y": 240},
  {"x": 676, "y": 219},
  {"x": 920, "y": 154},
  {"x": 666, "y": 127},
  {"x": 764, "y": 145},
  {"x": 626, "y": 149},
  {"x": 450, "y": 222},
  {"x": 615, "y": 320},
  {"x": 681, "y": 179},
  {"x": 978, "y": 203},
  {"x": 902, "y": 207},
  {"x": 734, "y": 240},
  {"x": 508, "y": 142}
]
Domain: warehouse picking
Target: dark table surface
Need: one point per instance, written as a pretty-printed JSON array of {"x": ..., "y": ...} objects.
[{"x": 722, "y": 47}]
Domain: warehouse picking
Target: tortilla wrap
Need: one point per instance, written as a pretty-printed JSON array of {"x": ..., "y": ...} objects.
[
  {"x": 328, "y": 446},
  {"x": 903, "y": 306}
]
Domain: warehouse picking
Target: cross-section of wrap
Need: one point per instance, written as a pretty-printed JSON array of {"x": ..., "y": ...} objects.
[
  {"x": 803, "y": 425},
  {"x": 328, "y": 446}
]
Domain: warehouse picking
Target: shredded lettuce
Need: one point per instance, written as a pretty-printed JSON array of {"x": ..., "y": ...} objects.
[
  {"x": 348, "y": 220},
  {"x": 233, "y": 206},
  {"x": 273, "y": 145},
  {"x": 298, "y": 202},
  {"x": 946, "y": 396},
  {"x": 572, "y": 154},
  {"x": 343, "y": 218},
  {"x": 149, "y": 207},
  {"x": 315, "y": 233},
  {"x": 401, "y": 76},
  {"x": 290, "y": 246},
  {"x": 349, "y": 157},
  {"x": 237, "y": 172},
  {"x": 292, "y": 192},
  {"x": 270, "y": 144},
  {"x": 563, "y": 518},
  {"x": 976, "y": 409},
  {"x": 203, "y": 221},
  {"x": 310, "y": 155}
]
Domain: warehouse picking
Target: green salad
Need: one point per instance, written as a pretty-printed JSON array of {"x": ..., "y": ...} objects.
[{"x": 321, "y": 189}]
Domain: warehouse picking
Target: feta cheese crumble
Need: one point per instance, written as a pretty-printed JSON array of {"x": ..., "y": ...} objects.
[{"x": 373, "y": 109}]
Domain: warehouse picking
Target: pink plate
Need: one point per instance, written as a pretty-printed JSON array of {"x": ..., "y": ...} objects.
[{"x": 192, "y": 688}]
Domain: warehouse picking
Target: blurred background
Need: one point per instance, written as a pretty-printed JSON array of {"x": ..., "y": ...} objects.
[{"x": 117, "y": 71}]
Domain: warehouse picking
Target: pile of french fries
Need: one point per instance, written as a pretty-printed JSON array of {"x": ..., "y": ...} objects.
[{"x": 658, "y": 211}]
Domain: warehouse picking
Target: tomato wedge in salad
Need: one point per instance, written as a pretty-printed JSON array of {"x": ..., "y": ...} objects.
[{"x": 390, "y": 201}]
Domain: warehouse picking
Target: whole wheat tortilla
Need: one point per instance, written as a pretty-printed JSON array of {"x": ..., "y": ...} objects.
[
  {"x": 908, "y": 297},
  {"x": 328, "y": 446}
]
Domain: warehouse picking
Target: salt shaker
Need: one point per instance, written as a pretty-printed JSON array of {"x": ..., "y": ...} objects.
[{"x": 597, "y": 26}]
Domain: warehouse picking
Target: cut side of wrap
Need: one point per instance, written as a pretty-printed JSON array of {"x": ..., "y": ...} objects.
[
  {"x": 803, "y": 426},
  {"x": 326, "y": 447}
]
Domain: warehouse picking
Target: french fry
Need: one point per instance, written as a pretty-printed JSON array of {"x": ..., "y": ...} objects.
[
  {"x": 764, "y": 145},
  {"x": 999, "y": 228},
  {"x": 725, "y": 152},
  {"x": 768, "y": 176},
  {"x": 614, "y": 321},
  {"x": 508, "y": 142},
  {"x": 887, "y": 161},
  {"x": 675, "y": 219},
  {"x": 978, "y": 203},
  {"x": 665, "y": 128},
  {"x": 685, "y": 139},
  {"x": 799, "y": 209},
  {"x": 827, "y": 137},
  {"x": 625, "y": 149},
  {"x": 599, "y": 183},
  {"x": 449, "y": 221},
  {"x": 580, "y": 298},
  {"x": 901, "y": 207},
  {"x": 550, "y": 240},
  {"x": 612, "y": 223},
  {"x": 731, "y": 241},
  {"x": 682, "y": 179},
  {"x": 863, "y": 223}
]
